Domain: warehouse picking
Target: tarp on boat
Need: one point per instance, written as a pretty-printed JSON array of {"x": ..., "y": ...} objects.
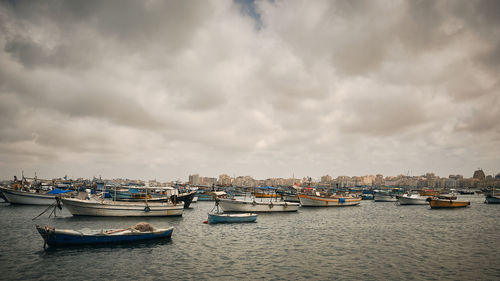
[{"x": 58, "y": 191}]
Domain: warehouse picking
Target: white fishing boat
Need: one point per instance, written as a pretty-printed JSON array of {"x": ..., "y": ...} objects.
[
  {"x": 108, "y": 208},
  {"x": 28, "y": 197},
  {"x": 413, "y": 199},
  {"x": 234, "y": 205},
  {"x": 311, "y": 200}
]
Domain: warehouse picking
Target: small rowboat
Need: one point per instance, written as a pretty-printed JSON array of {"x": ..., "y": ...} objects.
[
  {"x": 231, "y": 218},
  {"x": 438, "y": 203},
  {"x": 68, "y": 237}
]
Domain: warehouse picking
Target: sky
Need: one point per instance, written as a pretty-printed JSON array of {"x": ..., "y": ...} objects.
[{"x": 164, "y": 89}]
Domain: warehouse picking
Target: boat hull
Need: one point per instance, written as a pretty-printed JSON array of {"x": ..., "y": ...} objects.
[
  {"x": 28, "y": 198},
  {"x": 442, "y": 204},
  {"x": 231, "y": 218},
  {"x": 229, "y": 205},
  {"x": 205, "y": 197},
  {"x": 55, "y": 237},
  {"x": 404, "y": 200},
  {"x": 317, "y": 201},
  {"x": 384, "y": 198},
  {"x": 492, "y": 200},
  {"x": 290, "y": 198},
  {"x": 107, "y": 208},
  {"x": 187, "y": 198},
  {"x": 266, "y": 195}
]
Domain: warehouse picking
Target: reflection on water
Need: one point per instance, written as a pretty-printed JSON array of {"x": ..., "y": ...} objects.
[{"x": 373, "y": 241}]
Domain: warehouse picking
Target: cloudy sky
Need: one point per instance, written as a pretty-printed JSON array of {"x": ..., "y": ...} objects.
[{"x": 164, "y": 89}]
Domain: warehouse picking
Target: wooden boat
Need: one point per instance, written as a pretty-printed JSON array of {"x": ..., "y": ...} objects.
[
  {"x": 290, "y": 197},
  {"x": 234, "y": 205},
  {"x": 412, "y": 199},
  {"x": 231, "y": 218},
  {"x": 30, "y": 198},
  {"x": 187, "y": 198},
  {"x": 441, "y": 203},
  {"x": 492, "y": 199},
  {"x": 384, "y": 196},
  {"x": 266, "y": 195},
  {"x": 108, "y": 208},
  {"x": 311, "y": 200},
  {"x": 67, "y": 237},
  {"x": 216, "y": 216}
]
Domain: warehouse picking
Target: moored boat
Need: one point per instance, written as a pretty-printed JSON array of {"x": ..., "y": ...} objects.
[
  {"x": 234, "y": 205},
  {"x": 30, "y": 198},
  {"x": 108, "y": 208},
  {"x": 384, "y": 196},
  {"x": 68, "y": 237},
  {"x": 187, "y": 198},
  {"x": 441, "y": 203},
  {"x": 310, "y": 200},
  {"x": 231, "y": 218},
  {"x": 412, "y": 199},
  {"x": 290, "y": 197},
  {"x": 492, "y": 199}
]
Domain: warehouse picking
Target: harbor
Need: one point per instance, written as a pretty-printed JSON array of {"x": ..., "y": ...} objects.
[{"x": 374, "y": 240}]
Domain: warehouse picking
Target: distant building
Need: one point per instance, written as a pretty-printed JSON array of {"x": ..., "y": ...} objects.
[
  {"x": 479, "y": 175},
  {"x": 224, "y": 180},
  {"x": 208, "y": 181},
  {"x": 326, "y": 179},
  {"x": 194, "y": 179}
]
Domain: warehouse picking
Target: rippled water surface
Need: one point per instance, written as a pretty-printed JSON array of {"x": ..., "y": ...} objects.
[{"x": 373, "y": 241}]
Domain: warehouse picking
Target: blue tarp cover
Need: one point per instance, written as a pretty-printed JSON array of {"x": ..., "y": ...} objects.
[
  {"x": 266, "y": 187},
  {"x": 58, "y": 191}
]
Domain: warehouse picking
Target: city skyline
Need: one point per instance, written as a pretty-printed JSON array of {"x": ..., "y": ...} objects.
[{"x": 165, "y": 89}]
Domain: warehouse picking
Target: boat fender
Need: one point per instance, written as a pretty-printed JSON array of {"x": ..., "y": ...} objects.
[
  {"x": 271, "y": 205},
  {"x": 254, "y": 203},
  {"x": 341, "y": 200},
  {"x": 451, "y": 201},
  {"x": 428, "y": 199},
  {"x": 147, "y": 209}
]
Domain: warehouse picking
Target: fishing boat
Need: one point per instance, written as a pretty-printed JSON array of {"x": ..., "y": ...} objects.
[
  {"x": 443, "y": 202},
  {"x": 31, "y": 197},
  {"x": 235, "y": 205},
  {"x": 290, "y": 197},
  {"x": 231, "y": 218},
  {"x": 384, "y": 196},
  {"x": 318, "y": 200},
  {"x": 492, "y": 199},
  {"x": 412, "y": 199},
  {"x": 68, "y": 237},
  {"x": 216, "y": 216},
  {"x": 187, "y": 198},
  {"x": 107, "y": 208},
  {"x": 266, "y": 192}
]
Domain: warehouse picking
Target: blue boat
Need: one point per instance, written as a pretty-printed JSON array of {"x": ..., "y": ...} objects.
[
  {"x": 231, "y": 218},
  {"x": 492, "y": 199},
  {"x": 68, "y": 237},
  {"x": 216, "y": 216}
]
